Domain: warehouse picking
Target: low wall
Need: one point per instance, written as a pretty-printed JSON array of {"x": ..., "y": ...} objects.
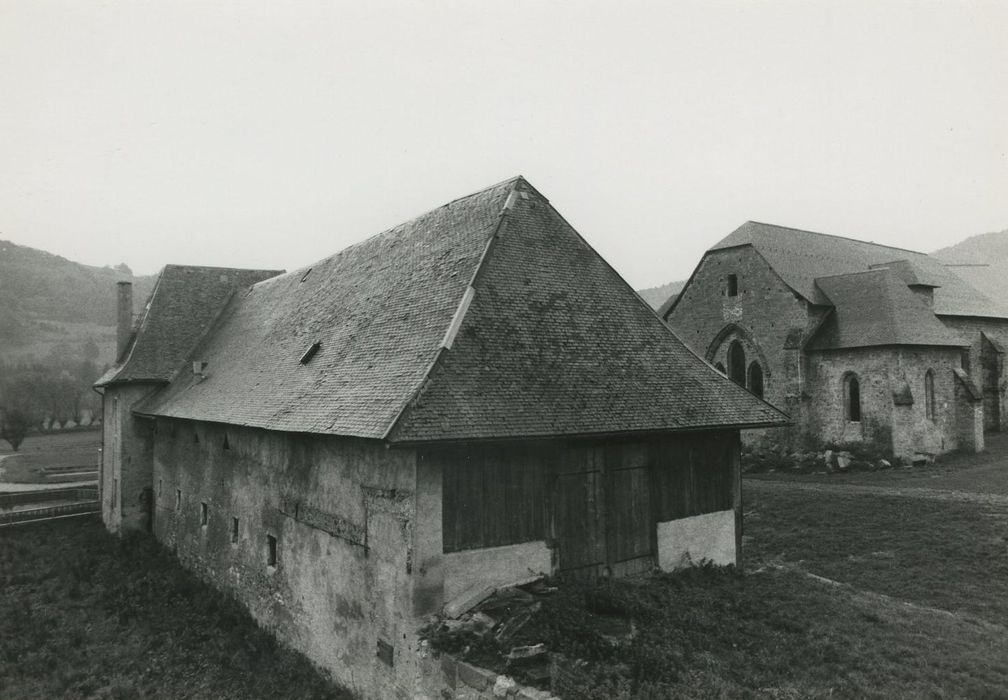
[
  {"x": 688, "y": 541},
  {"x": 494, "y": 566}
]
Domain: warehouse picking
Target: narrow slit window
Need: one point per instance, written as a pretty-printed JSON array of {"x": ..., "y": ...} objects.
[
  {"x": 852, "y": 398},
  {"x": 929, "y": 395},
  {"x": 204, "y": 514},
  {"x": 178, "y": 499},
  {"x": 271, "y": 550},
  {"x": 227, "y": 445},
  {"x": 195, "y": 436},
  {"x": 310, "y": 353},
  {"x": 234, "y": 530},
  {"x": 731, "y": 286}
]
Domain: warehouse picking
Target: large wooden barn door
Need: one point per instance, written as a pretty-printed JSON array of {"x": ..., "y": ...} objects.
[{"x": 603, "y": 520}]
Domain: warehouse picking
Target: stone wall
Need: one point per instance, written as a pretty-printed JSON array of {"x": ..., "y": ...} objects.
[
  {"x": 125, "y": 480},
  {"x": 341, "y": 513},
  {"x": 772, "y": 322},
  {"x": 883, "y": 372},
  {"x": 969, "y": 329}
]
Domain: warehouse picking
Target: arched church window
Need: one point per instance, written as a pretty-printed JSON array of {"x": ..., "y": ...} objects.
[
  {"x": 852, "y": 398},
  {"x": 929, "y": 395},
  {"x": 756, "y": 379},
  {"x": 736, "y": 363}
]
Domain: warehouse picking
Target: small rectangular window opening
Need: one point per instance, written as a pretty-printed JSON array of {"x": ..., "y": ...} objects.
[
  {"x": 271, "y": 551},
  {"x": 234, "y": 530},
  {"x": 204, "y": 517},
  {"x": 227, "y": 445},
  {"x": 310, "y": 353},
  {"x": 195, "y": 436},
  {"x": 178, "y": 499},
  {"x": 732, "y": 289}
]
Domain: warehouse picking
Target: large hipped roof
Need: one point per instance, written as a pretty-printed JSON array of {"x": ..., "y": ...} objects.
[{"x": 486, "y": 318}]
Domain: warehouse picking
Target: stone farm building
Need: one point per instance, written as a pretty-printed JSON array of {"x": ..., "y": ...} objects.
[
  {"x": 854, "y": 341},
  {"x": 468, "y": 399}
]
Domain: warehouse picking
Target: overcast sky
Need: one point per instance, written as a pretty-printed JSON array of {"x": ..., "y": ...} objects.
[{"x": 266, "y": 134}]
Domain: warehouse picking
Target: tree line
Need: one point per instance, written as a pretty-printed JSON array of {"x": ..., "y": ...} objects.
[{"x": 46, "y": 396}]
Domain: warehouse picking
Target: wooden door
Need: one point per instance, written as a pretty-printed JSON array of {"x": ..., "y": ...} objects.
[{"x": 603, "y": 520}]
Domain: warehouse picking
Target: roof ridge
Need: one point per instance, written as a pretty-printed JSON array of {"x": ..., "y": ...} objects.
[
  {"x": 833, "y": 235},
  {"x": 179, "y": 266},
  {"x": 464, "y": 303},
  {"x": 339, "y": 253}
]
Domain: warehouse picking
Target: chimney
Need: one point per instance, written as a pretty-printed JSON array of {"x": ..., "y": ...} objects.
[{"x": 124, "y": 316}]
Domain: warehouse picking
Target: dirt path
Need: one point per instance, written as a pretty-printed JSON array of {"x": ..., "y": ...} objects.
[{"x": 755, "y": 485}]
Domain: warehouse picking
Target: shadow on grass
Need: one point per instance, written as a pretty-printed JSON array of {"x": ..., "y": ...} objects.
[{"x": 85, "y": 615}]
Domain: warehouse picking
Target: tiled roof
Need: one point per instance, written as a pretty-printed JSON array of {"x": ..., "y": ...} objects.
[
  {"x": 555, "y": 342},
  {"x": 876, "y": 307},
  {"x": 184, "y": 302},
  {"x": 799, "y": 257},
  {"x": 548, "y": 340}
]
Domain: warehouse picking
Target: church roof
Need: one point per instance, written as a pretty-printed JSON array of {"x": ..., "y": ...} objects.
[
  {"x": 800, "y": 257},
  {"x": 184, "y": 302},
  {"x": 489, "y": 317},
  {"x": 876, "y": 307}
]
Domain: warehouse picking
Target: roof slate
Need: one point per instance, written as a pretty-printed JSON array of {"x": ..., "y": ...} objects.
[
  {"x": 799, "y": 257},
  {"x": 556, "y": 343},
  {"x": 184, "y": 302},
  {"x": 551, "y": 341},
  {"x": 876, "y": 307}
]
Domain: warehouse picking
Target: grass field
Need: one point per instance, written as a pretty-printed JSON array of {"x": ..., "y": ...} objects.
[
  {"x": 38, "y": 451},
  {"x": 84, "y": 615},
  {"x": 984, "y": 472},
  {"x": 921, "y": 612}
]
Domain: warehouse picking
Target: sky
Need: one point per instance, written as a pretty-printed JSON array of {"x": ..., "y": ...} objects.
[{"x": 269, "y": 135}]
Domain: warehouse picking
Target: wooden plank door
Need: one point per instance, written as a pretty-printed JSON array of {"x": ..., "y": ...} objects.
[
  {"x": 580, "y": 534},
  {"x": 630, "y": 532}
]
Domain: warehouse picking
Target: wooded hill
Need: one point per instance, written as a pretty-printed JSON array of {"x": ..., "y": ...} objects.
[{"x": 54, "y": 307}]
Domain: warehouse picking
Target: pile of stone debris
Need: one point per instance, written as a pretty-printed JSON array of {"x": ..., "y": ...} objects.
[{"x": 491, "y": 621}]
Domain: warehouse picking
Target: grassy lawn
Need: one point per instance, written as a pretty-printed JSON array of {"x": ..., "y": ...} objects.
[
  {"x": 83, "y": 615},
  {"x": 985, "y": 472},
  {"x": 69, "y": 449},
  {"x": 776, "y": 632},
  {"x": 948, "y": 555}
]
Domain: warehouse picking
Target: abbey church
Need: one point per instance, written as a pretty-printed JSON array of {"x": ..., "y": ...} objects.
[{"x": 855, "y": 341}]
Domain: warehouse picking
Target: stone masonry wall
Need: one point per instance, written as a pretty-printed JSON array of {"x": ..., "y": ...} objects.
[
  {"x": 774, "y": 318},
  {"x": 125, "y": 482},
  {"x": 342, "y": 515},
  {"x": 970, "y": 329},
  {"x": 881, "y": 371}
]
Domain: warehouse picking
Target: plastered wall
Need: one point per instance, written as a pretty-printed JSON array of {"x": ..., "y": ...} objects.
[
  {"x": 342, "y": 512},
  {"x": 126, "y": 459}
]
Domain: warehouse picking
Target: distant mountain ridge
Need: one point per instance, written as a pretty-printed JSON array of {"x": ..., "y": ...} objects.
[
  {"x": 982, "y": 261},
  {"x": 49, "y": 304},
  {"x": 656, "y": 296}
]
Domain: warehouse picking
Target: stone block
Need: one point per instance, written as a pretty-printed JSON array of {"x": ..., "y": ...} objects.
[{"x": 474, "y": 676}]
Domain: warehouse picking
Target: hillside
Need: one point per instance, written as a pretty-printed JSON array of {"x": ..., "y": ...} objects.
[
  {"x": 54, "y": 307},
  {"x": 656, "y": 296},
  {"x": 982, "y": 261}
]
